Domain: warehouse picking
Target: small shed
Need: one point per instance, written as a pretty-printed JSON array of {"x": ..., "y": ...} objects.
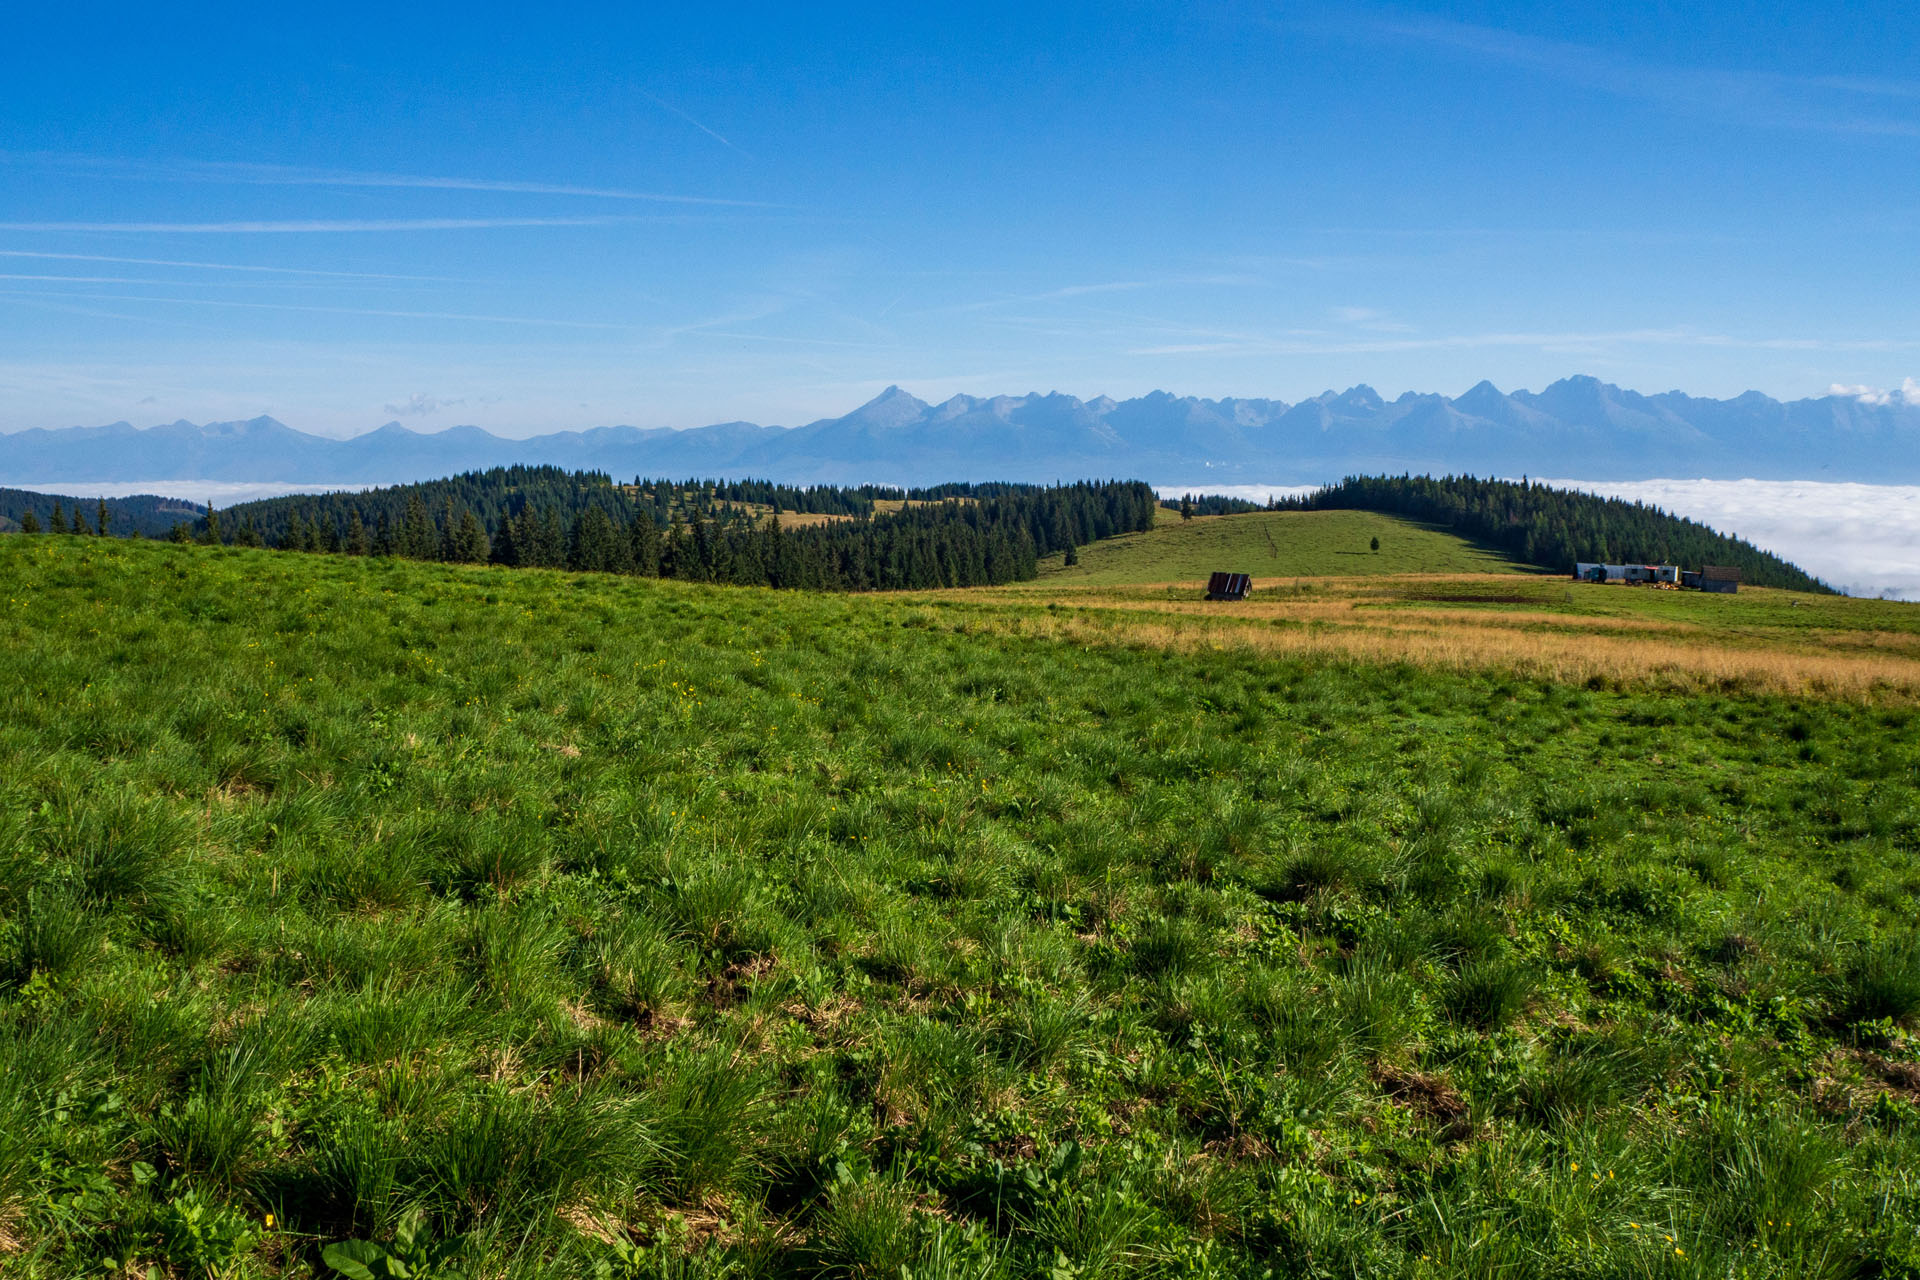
[
  {"x": 1724, "y": 579},
  {"x": 1229, "y": 586}
]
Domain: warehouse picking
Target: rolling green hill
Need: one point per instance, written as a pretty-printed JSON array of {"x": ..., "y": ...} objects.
[
  {"x": 569, "y": 924},
  {"x": 1274, "y": 544}
]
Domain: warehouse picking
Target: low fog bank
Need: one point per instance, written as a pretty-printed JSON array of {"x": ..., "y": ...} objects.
[
  {"x": 221, "y": 493},
  {"x": 1863, "y": 539}
]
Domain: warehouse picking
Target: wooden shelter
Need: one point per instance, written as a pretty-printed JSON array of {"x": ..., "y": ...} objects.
[
  {"x": 1229, "y": 586},
  {"x": 1719, "y": 577}
]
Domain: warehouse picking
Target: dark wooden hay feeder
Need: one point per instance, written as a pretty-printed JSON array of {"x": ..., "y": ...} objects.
[{"x": 1229, "y": 586}]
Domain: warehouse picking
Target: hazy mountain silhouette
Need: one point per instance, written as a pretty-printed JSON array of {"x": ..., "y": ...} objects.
[{"x": 1578, "y": 427}]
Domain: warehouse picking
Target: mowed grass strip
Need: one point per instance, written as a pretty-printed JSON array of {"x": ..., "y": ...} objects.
[
  {"x": 1272, "y": 545},
  {"x": 557, "y": 925}
]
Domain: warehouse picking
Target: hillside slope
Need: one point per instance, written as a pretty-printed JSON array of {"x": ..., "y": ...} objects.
[
  {"x": 673, "y": 930},
  {"x": 1275, "y": 544}
]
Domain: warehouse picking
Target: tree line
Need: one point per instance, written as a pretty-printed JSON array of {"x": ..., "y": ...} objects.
[
  {"x": 143, "y": 515},
  {"x": 703, "y": 531}
]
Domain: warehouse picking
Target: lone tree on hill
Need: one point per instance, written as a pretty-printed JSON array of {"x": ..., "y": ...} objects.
[
  {"x": 1375, "y": 544},
  {"x": 1186, "y": 506}
]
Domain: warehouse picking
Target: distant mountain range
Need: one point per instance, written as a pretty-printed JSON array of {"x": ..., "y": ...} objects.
[{"x": 1577, "y": 427}]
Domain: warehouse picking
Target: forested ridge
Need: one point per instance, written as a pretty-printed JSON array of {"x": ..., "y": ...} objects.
[
  {"x": 955, "y": 535},
  {"x": 146, "y": 514},
  {"x": 1557, "y": 528},
  {"x": 876, "y": 537}
]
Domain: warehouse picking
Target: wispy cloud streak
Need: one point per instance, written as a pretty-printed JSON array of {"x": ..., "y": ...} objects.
[
  {"x": 300, "y": 226},
  {"x": 337, "y": 311},
  {"x": 209, "y": 266},
  {"x": 1825, "y": 104},
  {"x": 1309, "y": 346},
  {"x": 267, "y": 175}
]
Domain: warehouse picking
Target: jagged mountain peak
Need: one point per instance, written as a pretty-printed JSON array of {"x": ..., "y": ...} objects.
[{"x": 1576, "y": 426}]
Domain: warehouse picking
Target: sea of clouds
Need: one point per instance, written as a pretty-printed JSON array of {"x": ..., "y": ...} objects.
[
  {"x": 221, "y": 493},
  {"x": 1863, "y": 539}
]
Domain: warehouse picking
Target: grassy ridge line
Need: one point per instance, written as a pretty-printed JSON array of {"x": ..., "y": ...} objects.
[
  {"x": 562, "y": 909},
  {"x": 1272, "y": 545}
]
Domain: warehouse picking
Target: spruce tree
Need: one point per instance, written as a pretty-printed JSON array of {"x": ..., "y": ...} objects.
[
  {"x": 103, "y": 518},
  {"x": 472, "y": 545},
  {"x": 357, "y": 544},
  {"x": 29, "y": 522},
  {"x": 419, "y": 540},
  {"x": 644, "y": 536},
  {"x": 552, "y": 541},
  {"x": 592, "y": 543},
  {"x": 58, "y": 519},
  {"x": 449, "y": 550},
  {"x": 179, "y": 532},
  {"x": 211, "y": 537}
]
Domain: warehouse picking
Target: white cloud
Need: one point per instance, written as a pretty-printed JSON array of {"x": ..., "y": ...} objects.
[
  {"x": 1908, "y": 393},
  {"x": 1861, "y": 538},
  {"x": 421, "y": 403}
]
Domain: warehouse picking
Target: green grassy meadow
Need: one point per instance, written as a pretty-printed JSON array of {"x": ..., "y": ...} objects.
[
  {"x": 520, "y": 923},
  {"x": 1273, "y": 544}
]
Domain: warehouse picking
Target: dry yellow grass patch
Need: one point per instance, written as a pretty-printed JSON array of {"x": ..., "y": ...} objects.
[{"x": 1372, "y": 621}]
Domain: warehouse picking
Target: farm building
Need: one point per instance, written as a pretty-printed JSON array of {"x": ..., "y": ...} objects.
[
  {"x": 1718, "y": 578},
  {"x": 1713, "y": 577},
  {"x": 1657, "y": 574},
  {"x": 1229, "y": 586}
]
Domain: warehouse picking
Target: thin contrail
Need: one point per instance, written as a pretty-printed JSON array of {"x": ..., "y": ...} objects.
[{"x": 717, "y": 137}]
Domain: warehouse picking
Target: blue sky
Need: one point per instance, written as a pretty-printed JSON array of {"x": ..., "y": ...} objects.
[{"x": 669, "y": 217}]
